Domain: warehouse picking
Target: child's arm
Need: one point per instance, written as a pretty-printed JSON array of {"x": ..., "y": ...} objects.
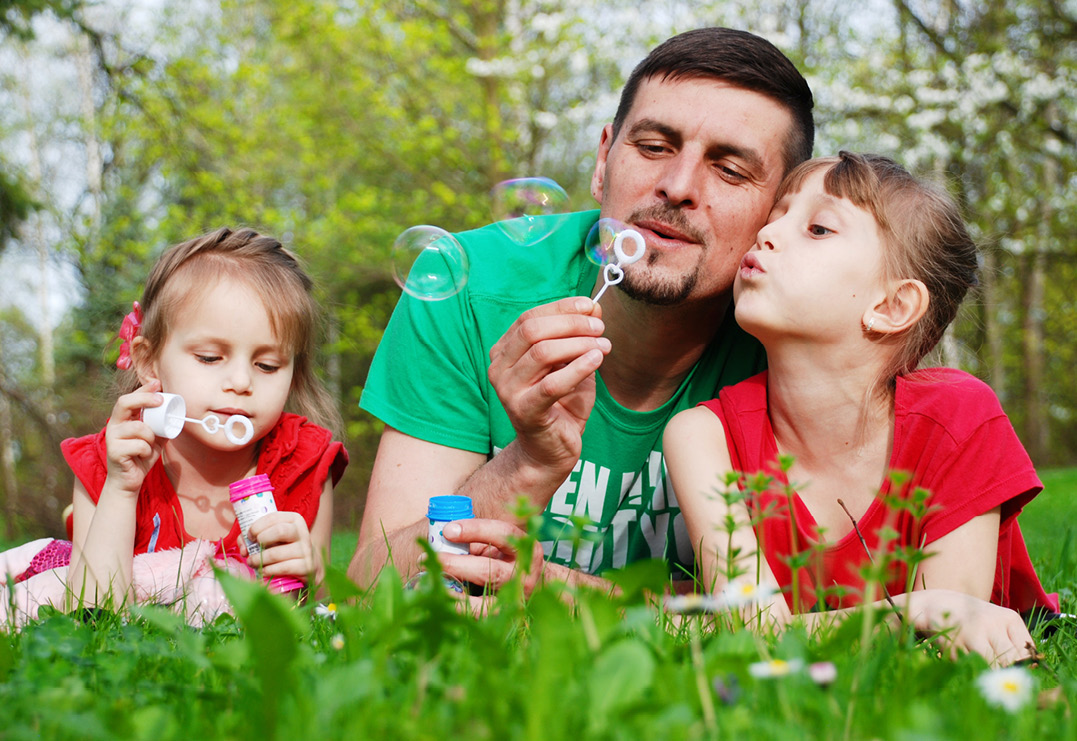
[
  {"x": 698, "y": 462},
  {"x": 103, "y": 535},
  {"x": 289, "y": 548}
]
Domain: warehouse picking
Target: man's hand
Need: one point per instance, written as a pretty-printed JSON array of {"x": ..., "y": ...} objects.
[
  {"x": 494, "y": 558},
  {"x": 543, "y": 371}
]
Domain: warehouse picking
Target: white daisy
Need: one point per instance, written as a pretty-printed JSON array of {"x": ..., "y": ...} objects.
[
  {"x": 326, "y": 610},
  {"x": 775, "y": 668},
  {"x": 1008, "y": 688},
  {"x": 690, "y": 604},
  {"x": 744, "y": 591}
]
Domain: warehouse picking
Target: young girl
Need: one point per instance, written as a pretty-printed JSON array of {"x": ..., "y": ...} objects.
[
  {"x": 855, "y": 277},
  {"x": 228, "y": 322}
]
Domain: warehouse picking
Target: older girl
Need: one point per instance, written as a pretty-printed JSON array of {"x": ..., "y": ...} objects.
[{"x": 853, "y": 280}]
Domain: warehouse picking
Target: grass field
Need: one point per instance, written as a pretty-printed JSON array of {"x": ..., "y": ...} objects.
[
  {"x": 1049, "y": 523},
  {"x": 406, "y": 664}
]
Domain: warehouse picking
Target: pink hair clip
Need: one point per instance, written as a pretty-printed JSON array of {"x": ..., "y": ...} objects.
[{"x": 129, "y": 330}]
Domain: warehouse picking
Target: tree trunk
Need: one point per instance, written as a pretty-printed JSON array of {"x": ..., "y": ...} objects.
[
  {"x": 993, "y": 331},
  {"x": 7, "y": 463}
]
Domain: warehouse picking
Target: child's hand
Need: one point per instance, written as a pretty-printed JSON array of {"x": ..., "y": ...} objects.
[
  {"x": 286, "y": 547},
  {"x": 132, "y": 447},
  {"x": 965, "y": 623}
]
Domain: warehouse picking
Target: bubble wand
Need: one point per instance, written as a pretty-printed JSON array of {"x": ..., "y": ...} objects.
[
  {"x": 168, "y": 419},
  {"x": 614, "y": 272}
]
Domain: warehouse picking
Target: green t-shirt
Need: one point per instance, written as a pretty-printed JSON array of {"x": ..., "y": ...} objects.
[{"x": 429, "y": 380}]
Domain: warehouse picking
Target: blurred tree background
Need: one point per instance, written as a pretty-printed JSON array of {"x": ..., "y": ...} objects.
[{"x": 129, "y": 126}]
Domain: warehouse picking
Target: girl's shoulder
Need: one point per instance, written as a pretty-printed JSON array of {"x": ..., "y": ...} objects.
[{"x": 949, "y": 395}]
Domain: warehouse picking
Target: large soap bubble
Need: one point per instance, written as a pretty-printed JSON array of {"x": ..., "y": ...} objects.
[
  {"x": 529, "y": 209},
  {"x": 429, "y": 263}
]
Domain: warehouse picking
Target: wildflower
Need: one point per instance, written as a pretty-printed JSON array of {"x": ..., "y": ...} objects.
[
  {"x": 744, "y": 591},
  {"x": 1008, "y": 688},
  {"x": 728, "y": 689},
  {"x": 775, "y": 668},
  {"x": 337, "y": 641},
  {"x": 737, "y": 593},
  {"x": 326, "y": 611},
  {"x": 691, "y": 604},
  {"x": 822, "y": 672}
]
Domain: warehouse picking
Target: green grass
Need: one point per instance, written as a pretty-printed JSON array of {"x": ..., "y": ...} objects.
[
  {"x": 399, "y": 664},
  {"x": 1049, "y": 522}
]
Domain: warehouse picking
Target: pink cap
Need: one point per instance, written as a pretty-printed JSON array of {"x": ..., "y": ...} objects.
[{"x": 245, "y": 487}]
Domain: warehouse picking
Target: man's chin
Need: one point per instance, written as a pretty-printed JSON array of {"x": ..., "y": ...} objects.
[{"x": 652, "y": 290}]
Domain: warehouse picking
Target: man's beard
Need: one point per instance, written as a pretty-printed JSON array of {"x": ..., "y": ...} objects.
[
  {"x": 656, "y": 291},
  {"x": 662, "y": 291}
]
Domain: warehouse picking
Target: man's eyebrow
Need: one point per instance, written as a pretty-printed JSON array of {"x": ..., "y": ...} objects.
[
  {"x": 752, "y": 158},
  {"x": 650, "y": 125}
]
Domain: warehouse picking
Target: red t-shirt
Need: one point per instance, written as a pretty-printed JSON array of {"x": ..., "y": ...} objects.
[
  {"x": 950, "y": 435},
  {"x": 298, "y": 457}
]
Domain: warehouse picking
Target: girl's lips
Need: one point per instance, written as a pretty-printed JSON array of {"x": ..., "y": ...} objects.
[
  {"x": 749, "y": 266},
  {"x": 229, "y": 412}
]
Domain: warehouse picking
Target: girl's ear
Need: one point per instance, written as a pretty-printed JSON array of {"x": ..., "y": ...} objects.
[
  {"x": 900, "y": 309},
  {"x": 141, "y": 355}
]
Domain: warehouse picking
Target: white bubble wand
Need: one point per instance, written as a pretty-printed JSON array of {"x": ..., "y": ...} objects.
[
  {"x": 168, "y": 419},
  {"x": 614, "y": 272}
]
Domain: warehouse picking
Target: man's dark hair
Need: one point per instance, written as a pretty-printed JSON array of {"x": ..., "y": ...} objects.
[{"x": 738, "y": 58}]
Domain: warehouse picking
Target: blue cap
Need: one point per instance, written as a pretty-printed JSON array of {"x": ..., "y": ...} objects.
[{"x": 450, "y": 507}]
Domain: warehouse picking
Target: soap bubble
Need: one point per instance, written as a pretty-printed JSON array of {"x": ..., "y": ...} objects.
[
  {"x": 529, "y": 209},
  {"x": 429, "y": 263},
  {"x": 453, "y": 585},
  {"x": 600, "y": 241}
]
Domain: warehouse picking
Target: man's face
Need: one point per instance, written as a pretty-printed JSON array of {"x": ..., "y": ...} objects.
[{"x": 694, "y": 169}]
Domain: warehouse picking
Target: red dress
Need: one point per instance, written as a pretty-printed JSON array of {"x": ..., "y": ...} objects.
[
  {"x": 298, "y": 457},
  {"x": 951, "y": 435}
]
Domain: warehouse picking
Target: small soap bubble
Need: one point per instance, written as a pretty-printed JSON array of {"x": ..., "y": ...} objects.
[
  {"x": 429, "y": 263},
  {"x": 453, "y": 585},
  {"x": 529, "y": 209},
  {"x": 600, "y": 240}
]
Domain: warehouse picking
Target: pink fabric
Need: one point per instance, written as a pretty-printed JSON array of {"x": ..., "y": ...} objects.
[{"x": 56, "y": 553}]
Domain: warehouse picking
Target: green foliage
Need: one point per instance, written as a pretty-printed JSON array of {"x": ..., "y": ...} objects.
[{"x": 399, "y": 663}]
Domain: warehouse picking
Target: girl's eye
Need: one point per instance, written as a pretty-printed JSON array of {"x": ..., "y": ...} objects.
[
  {"x": 818, "y": 230},
  {"x": 208, "y": 358},
  {"x": 267, "y": 367}
]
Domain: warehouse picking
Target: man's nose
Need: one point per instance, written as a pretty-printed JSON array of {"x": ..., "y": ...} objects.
[{"x": 681, "y": 180}]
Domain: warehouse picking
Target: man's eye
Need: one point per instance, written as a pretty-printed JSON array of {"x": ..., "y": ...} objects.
[
  {"x": 650, "y": 148},
  {"x": 731, "y": 174}
]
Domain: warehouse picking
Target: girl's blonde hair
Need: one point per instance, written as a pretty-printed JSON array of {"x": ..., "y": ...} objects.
[
  {"x": 923, "y": 234},
  {"x": 185, "y": 271}
]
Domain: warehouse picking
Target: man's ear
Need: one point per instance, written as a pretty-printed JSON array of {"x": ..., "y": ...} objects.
[
  {"x": 598, "y": 177},
  {"x": 900, "y": 309},
  {"x": 141, "y": 358}
]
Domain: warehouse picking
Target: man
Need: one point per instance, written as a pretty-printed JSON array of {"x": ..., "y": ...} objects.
[{"x": 521, "y": 386}]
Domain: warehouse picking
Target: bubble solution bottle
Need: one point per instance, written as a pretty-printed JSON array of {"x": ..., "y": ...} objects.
[
  {"x": 440, "y": 512},
  {"x": 252, "y": 498}
]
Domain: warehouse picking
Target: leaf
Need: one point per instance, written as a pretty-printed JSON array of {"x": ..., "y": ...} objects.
[
  {"x": 621, "y": 676},
  {"x": 637, "y": 579},
  {"x": 341, "y": 587}
]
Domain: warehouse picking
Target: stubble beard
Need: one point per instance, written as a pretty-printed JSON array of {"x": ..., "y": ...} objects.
[{"x": 657, "y": 289}]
